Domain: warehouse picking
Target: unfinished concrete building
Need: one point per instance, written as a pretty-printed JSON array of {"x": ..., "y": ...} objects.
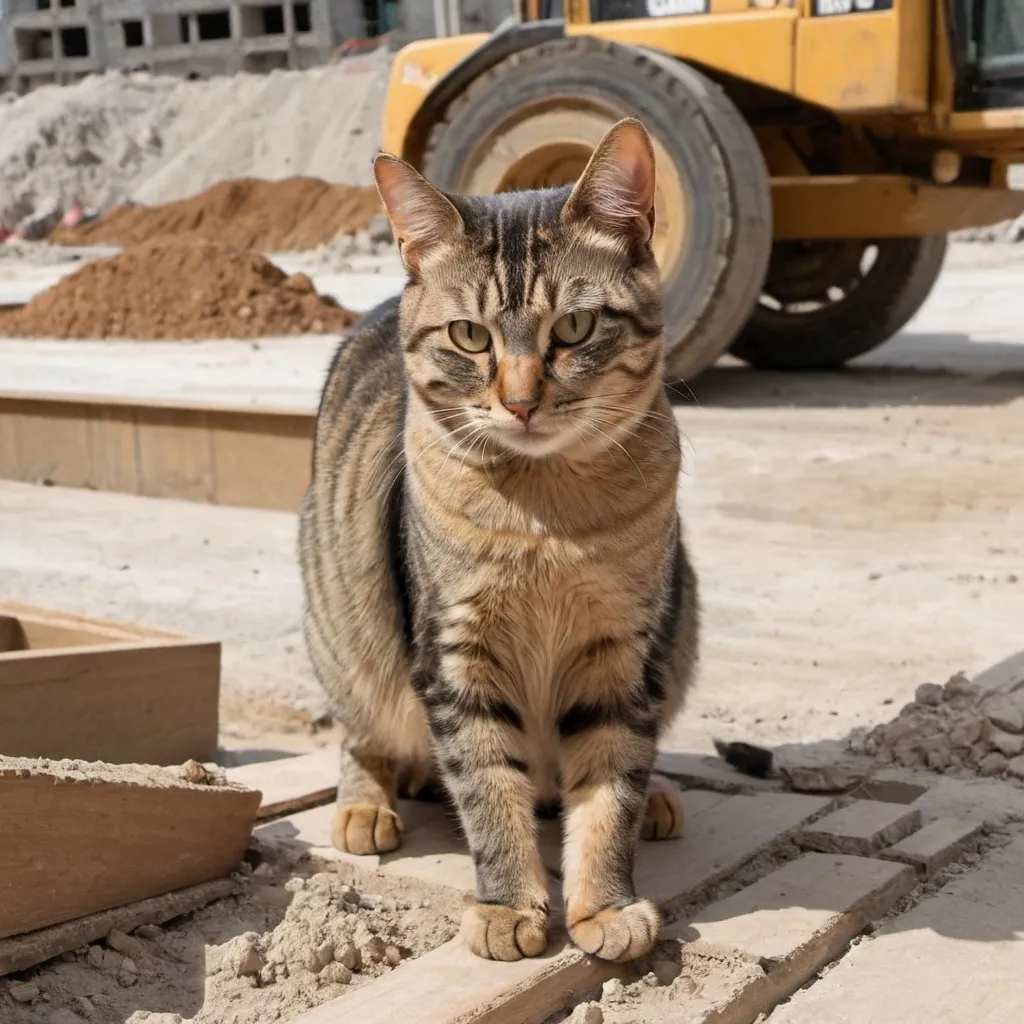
[{"x": 45, "y": 41}]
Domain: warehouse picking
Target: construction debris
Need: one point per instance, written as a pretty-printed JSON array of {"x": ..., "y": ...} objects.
[
  {"x": 171, "y": 288},
  {"x": 951, "y": 728}
]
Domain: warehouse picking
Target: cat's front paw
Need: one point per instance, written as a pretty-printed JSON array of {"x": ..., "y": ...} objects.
[
  {"x": 366, "y": 829},
  {"x": 663, "y": 815},
  {"x": 496, "y": 932},
  {"x": 618, "y": 933}
]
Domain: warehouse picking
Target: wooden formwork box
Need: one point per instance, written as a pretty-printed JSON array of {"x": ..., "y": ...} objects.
[{"x": 75, "y": 687}]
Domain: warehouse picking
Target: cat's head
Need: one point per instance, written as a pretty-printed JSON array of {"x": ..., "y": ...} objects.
[{"x": 533, "y": 320}]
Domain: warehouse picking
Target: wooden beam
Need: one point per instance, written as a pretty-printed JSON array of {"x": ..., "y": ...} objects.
[
  {"x": 82, "y": 838},
  {"x": 290, "y": 784},
  {"x": 19, "y": 952},
  {"x": 209, "y": 452}
]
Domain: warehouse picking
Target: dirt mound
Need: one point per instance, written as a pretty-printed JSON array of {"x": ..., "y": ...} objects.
[
  {"x": 271, "y": 216},
  {"x": 175, "y": 288}
]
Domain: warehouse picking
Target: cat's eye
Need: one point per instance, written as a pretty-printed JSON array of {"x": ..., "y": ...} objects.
[
  {"x": 470, "y": 337},
  {"x": 573, "y": 328}
]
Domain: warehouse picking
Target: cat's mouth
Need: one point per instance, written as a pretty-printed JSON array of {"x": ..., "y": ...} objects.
[{"x": 532, "y": 438}]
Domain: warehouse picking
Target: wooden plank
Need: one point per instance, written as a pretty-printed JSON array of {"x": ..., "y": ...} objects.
[
  {"x": 175, "y": 455},
  {"x": 112, "y": 456},
  {"x": 863, "y": 827},
  {"x": 795, "y": 920},
  {"x": 708, "y": 772},
  {"x": 153, "y": 701},
  {"x": 72, "y": 620},
  {"x": 173, "y": 448},
  {"x": 84, "y": 838},
  {"x": 261, "y": 464},
  {"x": 19, "y": 952},
  {"x": 935, "y": 847},
  {"x": 452, "y": 986},
  {"x": 291, "y": 784},
  {"x": 721, "y": 840}
]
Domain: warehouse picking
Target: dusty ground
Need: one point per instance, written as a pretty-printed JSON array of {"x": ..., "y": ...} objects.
[{"x": 857, "y": 534}]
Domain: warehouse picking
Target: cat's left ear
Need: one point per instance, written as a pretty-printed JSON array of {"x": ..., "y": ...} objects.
[
  {"x": 616, "y": 191},
  {"x": 422, "y": 218}
]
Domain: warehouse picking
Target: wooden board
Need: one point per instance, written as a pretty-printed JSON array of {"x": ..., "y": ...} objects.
[
  {"x": 71, "y": 687},
  {"x": 291, "y": 784},
  {"x": 188, "y": 450},
  {"x": 452, "y": 986},
  {"x": 19, "y": 952},
  {"x": 77, "y": 841}
]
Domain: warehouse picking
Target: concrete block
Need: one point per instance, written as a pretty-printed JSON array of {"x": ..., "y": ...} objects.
[
  {"x": 862, "y": 828},
  {"x": 797, "y": 919},
  {"x": 934, "y": 847},
  {"x": 79, "y": 838}
]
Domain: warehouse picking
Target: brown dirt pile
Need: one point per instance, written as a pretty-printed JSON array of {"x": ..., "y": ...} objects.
[
  {"x": 270, "y": 216},
  {"x": 178, "y": 288}
]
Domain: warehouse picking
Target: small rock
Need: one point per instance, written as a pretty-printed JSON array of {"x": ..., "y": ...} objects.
[
  {"x": 23, "y": 991},
  {"x": 127, "y": 978},
  {"x": 828, "y": 778},
  {"x": 587, "y": 1013},
  {"x": 392, "y": 956},
  {"x": 1016, "y": 767},
  {"x": 966, "y": 732},
  {"x": 94, "y": 957},
  {"x": 149, "y": 931},
  {"x": 322, "y": 956},
  {"x": 84, "y": 1006},
  {"x": 242, "y": 957},
  {"x": 125, "y": 944},
  {"x": 263, "y": 870},
  {"x": 993, "y": 764},
  {"x": 978, "y": 752},
  {"x": 960, "y": 686},
  {"x": 650, "y": 980},
  {"x": 373, "y": 950},
  {"x": 349, "y": 956},
  {"x": 112, "y": 960},
  {"x": 350, "y": 895},
  {"x": 666, "y": 971},
  {"x": 612, "y": 990},
  {"x": 267, "y": 975},
  {"x": 1002, "y": 711},
  {"x": 336, "y": 974},
  {"x": 371, "y": 901},
  {"x": 1005, "y": 742},
  {"x": 193, "y": 771},
  {"x": 294, "y": 884},
  {"x": 245, "y": 312},
  {"x": 929, "y": 693}
]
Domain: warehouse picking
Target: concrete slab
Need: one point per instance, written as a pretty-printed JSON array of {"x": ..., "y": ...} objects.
[
  {"x": 953, "y": 959},
  {"x": 934, "y": 847},
  {"x": 863, "y": 828}
]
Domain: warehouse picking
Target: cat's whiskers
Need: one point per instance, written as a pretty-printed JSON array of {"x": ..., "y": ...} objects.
[{"x": 622, "y": 447}]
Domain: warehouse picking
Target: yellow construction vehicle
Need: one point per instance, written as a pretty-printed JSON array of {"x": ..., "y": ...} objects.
[{"x": 812, "y": 154}]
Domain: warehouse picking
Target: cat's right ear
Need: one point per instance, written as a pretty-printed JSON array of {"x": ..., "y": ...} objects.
[{"x": 422, "y": 218}]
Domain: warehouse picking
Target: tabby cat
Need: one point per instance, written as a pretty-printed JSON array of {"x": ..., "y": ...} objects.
[{"x": 496, "y": 584}]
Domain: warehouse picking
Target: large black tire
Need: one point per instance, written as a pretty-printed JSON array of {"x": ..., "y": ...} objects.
[
  {"x": 868, "y": 306},
  {"x": 554, "y": 101}
]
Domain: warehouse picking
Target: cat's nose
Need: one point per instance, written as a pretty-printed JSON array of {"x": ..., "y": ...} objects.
[{"x": 523, "y": 408}]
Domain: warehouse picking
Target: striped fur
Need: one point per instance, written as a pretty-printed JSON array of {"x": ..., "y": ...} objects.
[{"x": 508, "y": 603}]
